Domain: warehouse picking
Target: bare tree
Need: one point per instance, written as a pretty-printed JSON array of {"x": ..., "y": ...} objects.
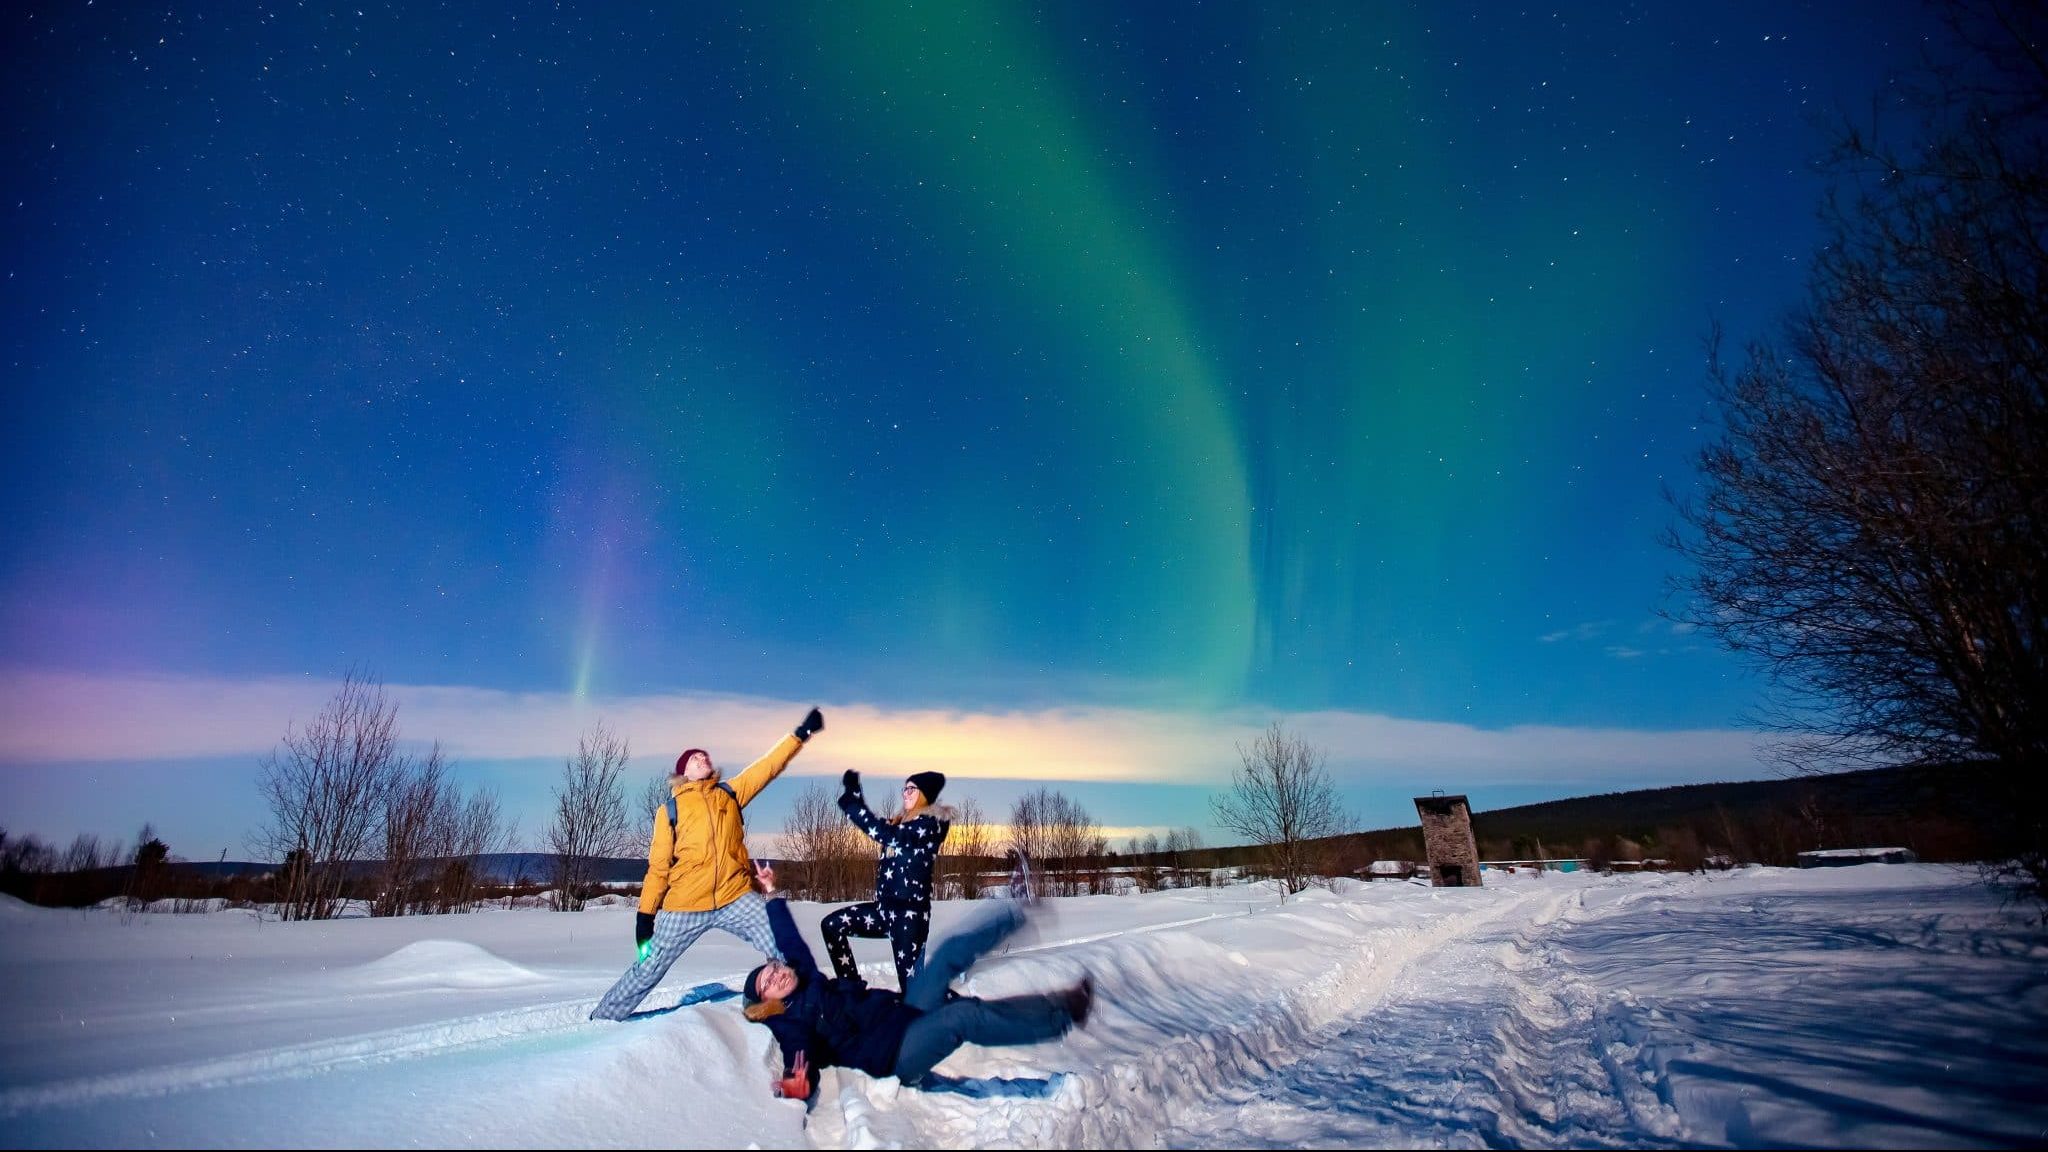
[
  {"x": 1064, "y": 842},
  {"x": 86, "y": 855},
  {"x": 435, "y": 834},
  {"x": 832, "y": 859},
  {"x": 1076, "y": 840},
  {"x": 475, "y": 828},
  {"x": 1146, "y": 869},
  {"x": 1873, "y": 525},
  {"x": 590, "y": 815},
  {"x": 152, "y": 861},
  {"x": 1028, "y": 835},
  {"x": 1180, "y": 846},
  {"x": 416, "y": 816},
  {"x": 967, "y": 848},
  {"x": 655, "y": 794},
  {"x": 325, "y": 788},
  {"x": 1282, "y": 800},
  {"x": 26, "y": 854}
]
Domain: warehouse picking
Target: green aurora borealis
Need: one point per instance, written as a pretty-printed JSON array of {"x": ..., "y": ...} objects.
[{"x": 974, "y": 357}]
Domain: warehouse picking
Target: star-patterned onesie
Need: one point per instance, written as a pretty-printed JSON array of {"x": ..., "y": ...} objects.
[{"x": 902, "y": 908}]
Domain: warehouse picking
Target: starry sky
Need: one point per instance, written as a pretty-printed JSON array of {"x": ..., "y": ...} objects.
[{"x": 1053, "y": 392}]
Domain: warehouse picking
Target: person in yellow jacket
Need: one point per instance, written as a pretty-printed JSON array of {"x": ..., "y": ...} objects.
[{"x": 699, "y": 875}]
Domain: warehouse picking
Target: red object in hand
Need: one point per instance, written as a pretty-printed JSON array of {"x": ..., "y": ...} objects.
[{"x": 796, "y": 1085}]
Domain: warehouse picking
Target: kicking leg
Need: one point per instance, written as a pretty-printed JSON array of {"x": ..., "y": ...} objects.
[
  {"x": 852, "y": 920},
  {"x": 674, "y": 932},
  {"x": 990, "y": 1023},
  {"x": 957, "y": 953}
]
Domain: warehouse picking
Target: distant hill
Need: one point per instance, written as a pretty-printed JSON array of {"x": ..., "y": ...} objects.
[
  {"x": 502, "y": 867},
  {"x": 1931, "y": 810},
  {"x": 1926, "y": 809},
  {"x": 508, "y": 867},
  {"x": 1849, "y": 800}
]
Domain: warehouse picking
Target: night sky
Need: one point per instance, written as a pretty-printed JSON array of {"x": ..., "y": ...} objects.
[{"x": 1052, "y": 392}]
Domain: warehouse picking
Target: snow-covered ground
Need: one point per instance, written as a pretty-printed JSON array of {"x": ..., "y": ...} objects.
[{"x": 1881, "y": 1005}]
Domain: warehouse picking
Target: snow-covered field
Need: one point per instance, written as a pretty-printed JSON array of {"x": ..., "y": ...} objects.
[{"x": 1882, "y": 1005}]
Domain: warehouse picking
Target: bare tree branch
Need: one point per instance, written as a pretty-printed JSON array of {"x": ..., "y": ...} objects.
[{"x": 1873, "y": 524}]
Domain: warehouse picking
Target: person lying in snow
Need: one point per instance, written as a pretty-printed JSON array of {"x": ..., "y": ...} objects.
[
  {"x": 902, "y": 907},
  {"x": 697, "y": 868},
  {"x": 820, "y": 1021}
]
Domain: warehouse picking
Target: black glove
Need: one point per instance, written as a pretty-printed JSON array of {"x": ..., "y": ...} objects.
[
  {"x": 643, "y": 928},
  {"x": 813, "y": 724},
  {"x": 849, "y": 781}
]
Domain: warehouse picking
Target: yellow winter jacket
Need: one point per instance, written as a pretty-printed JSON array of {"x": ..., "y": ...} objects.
[{"x": 703, "y": 865}]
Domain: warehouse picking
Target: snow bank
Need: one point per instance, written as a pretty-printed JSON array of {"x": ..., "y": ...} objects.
[
  {"x": 438, "y": 964},
  {"x": 1880, "y": 1005}
]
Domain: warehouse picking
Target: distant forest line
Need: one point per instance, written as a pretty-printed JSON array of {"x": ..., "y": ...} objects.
[{"x": 1930, "y": 810}]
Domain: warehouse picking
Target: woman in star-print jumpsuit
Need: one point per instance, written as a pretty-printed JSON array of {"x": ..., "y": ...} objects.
[{"x": 902, "y": 907}]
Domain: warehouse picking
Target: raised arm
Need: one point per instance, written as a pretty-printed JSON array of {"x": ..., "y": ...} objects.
[
  {"x": 856, "y": 808},
  {"x": 748, "y": 783},
  {"x": 795, "y": 952},
  {"x": 799, "y": 1076}
]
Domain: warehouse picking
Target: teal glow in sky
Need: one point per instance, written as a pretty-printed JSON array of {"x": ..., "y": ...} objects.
[{"x": 1198, "y": 364}]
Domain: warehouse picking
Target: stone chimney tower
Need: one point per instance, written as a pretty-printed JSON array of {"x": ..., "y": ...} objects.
[{"x": 1447, "y": 835}]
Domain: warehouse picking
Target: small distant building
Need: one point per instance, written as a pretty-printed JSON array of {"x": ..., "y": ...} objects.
[
  {"x": 1547, "y": 864},
  {"x": 1390, "y": 870},
  {"x": 1447, "y": 837},
  {"x": 1845, "y": 857}
]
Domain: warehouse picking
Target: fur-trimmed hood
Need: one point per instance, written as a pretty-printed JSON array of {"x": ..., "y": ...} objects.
[{"x": 944, "y": 813}]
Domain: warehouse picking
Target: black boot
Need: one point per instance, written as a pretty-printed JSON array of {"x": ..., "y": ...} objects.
[{"x": 1078, "y": 1000}]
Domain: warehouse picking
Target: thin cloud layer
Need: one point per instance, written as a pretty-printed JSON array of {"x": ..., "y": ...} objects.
[{"x": 54, "y": 717}]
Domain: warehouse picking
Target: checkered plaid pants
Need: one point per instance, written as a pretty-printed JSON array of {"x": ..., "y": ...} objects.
[{"x": 674, "y": 932}]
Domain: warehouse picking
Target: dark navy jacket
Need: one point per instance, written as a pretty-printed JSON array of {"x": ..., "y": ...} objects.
[
  {"x": 910, "y": 850},
  {"x": 835, "y": 1020}
]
